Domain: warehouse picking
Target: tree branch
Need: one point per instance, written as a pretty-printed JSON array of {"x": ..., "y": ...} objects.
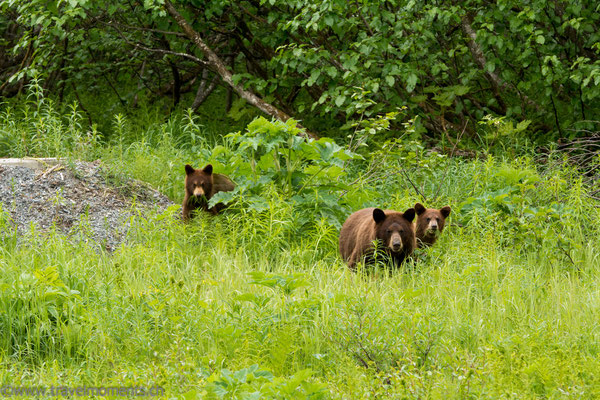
[
  {"x": 203, "y": 92},
  {"x": 219, "y": 66},
  {"x": 497, "y": 83}
]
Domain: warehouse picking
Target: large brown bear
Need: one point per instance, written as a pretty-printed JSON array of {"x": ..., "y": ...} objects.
[
  {"x": 392, "y": 229},
  {"x": 200, "y": 186},
  {"x": 430, "y": 223}
]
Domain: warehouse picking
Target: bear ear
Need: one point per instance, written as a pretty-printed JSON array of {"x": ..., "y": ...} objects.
[
  {"x": 445, "y": 211},
  {"x": 420, "y": 209},
  {"x": 409, "y": 214},
  {"x": 189, "y": 169},
  {"x": 378, "y": 215},
  {"x": 208, "y": 169}
]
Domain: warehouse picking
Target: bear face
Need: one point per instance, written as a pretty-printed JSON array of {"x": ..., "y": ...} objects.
[
  {"x": 198, "y": 182},
  {"x": 200, "y": 186},
  {"x": 430, "y": 224},
  {"x": 393, "y": 232},
  {"x": 198, "y": 190}
]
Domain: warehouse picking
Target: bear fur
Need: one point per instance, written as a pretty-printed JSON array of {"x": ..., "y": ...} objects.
[
  {"x": 430, "y": 224},
  {"x": 392, "y": 229},
  {"x": 200, "y": 186}
]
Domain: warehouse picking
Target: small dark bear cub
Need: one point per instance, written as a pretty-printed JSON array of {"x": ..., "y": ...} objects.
[
  {"x": 430, "y": 224},
  {"x": 200, "y": 186},
  {"x": 392, "y": 229}
]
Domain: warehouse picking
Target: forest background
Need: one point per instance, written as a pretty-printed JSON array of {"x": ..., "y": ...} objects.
[{"x": 315, "y": 109}]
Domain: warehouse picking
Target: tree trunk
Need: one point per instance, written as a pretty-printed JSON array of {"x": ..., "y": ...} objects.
[
  {"x": 203, "y": 91},
  {"x": 229, "y": 98},
  {"x": 219, "y": 66},
  {"x": 477, "y": 54},
  {"x": 140, "y": 84},
  {"x": 176, "y": 83},
  {"x": 497, "y": 83}
]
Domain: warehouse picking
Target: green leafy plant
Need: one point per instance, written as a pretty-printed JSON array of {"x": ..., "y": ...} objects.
[
  {"x": 256, "y": 383},
  {"x": 310, "y": 173},
  {"x": 516, "y": 211},
  {"x": 43, "y": 316},
  {"x": 287, "y": 284}
]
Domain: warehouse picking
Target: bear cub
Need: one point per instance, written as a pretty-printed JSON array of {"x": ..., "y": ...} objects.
[
  {"x": 392, "y": 229},
  {"x": 430, "y": 224},
  {"x": 200, "y": 186}
]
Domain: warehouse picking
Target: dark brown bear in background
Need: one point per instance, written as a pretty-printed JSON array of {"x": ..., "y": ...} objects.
[
  {"x": 200, "y": 186},
  {"x": 430, "y": 224},
  {"x": 394, "y": 230}
]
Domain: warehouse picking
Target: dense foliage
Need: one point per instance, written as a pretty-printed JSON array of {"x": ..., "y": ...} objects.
[
  {"x": 326, "y": 63},
  {"x": 256, "y": 304}
]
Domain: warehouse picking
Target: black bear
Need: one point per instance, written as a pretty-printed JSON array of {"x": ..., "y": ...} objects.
[
  {"x": 200, "y": 186},
  {"x": 430, "y": 223},
  {"x": 393, "y": 230}
]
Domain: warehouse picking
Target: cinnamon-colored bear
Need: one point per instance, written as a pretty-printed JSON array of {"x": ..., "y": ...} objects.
[
  {"x": 430, "y": 223},
  {"x": 392, "y": 229},
  {"x": 200, "y": 186}
]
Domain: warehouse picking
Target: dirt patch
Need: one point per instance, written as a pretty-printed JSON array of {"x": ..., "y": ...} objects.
[{"x": 78, "y": 198}]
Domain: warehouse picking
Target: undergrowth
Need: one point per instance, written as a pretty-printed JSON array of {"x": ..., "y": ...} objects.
[{"x": 256, "y": 303}]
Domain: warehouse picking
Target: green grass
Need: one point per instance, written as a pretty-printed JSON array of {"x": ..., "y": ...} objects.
[
  {"x": 505, "y": 305},
  {"x": 176, "y": 305}
]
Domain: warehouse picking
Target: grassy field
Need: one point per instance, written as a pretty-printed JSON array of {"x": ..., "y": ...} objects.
[{"x": 249, "y": 304}]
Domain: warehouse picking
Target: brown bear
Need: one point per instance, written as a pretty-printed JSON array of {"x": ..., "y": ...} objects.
[
  {"x": 430, "y": 223},
  {"x": 392, "y": 229},
  {"x": 200, "y": 186}
]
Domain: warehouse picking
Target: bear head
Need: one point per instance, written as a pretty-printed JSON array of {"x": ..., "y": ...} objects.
[
  {"x": 395, "y": 230},
  {"x": 430, "y": 221},
  {"x": 199, "y": 182}
]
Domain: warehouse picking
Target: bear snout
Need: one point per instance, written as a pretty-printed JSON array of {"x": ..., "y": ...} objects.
[
  {"x": 433, "y": 226},
  {"x": 199, "y": 192},
  {"x": 396, "y": 243}
]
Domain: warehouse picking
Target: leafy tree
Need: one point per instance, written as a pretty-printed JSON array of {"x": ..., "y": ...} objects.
[{"x": 451, "y": 63}]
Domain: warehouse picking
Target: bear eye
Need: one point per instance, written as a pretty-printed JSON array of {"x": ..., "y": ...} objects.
[
  {"x": 401, "y": 230},
  {"x": 389, "y": 231},
  {"x": 437, "y": 219},
  {"x": 428, "y": 219}
]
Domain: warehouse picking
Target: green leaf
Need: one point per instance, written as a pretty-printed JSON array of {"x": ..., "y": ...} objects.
[
  {"x": 460, "y": 90},
  {"x": 314, "y": 75},
  {"x": 339, "y": 101},
  {"x": 418, "y": 99},
  {"x": 411, "y": 83}
]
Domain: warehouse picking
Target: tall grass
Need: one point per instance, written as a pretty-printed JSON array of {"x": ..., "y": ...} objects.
[{"x": 505, "y": 305}]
